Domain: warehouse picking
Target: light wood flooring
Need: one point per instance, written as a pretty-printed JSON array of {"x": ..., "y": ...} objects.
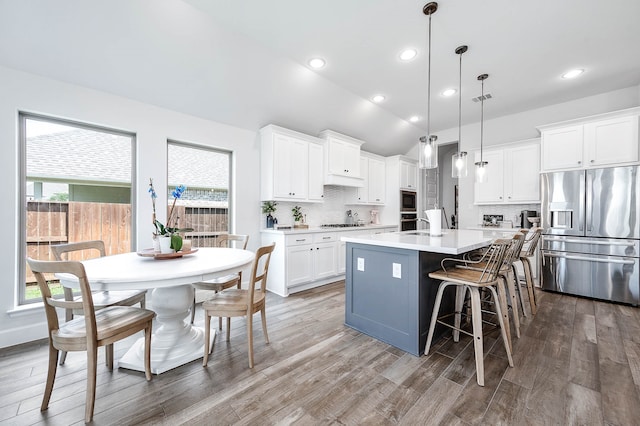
[{"x": 577, "y": 363}]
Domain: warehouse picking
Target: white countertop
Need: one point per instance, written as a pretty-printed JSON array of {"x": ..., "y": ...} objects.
[
  {"x": 452, "y": 241},
  {"x": 368, "y": 227}
]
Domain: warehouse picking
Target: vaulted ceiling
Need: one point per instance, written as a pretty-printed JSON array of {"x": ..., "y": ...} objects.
[{"x": 245, "y": 62}]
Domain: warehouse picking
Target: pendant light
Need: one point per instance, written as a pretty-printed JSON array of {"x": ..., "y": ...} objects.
[
  {"x": 459, "y": 159},
  {"x": 427, "y": 148},
  {"x": 481, "y": 166}
]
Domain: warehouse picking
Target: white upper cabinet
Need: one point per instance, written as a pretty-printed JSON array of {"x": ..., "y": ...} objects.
[
  {"x": 408, "y": 175},
  {"x": 291, "y": 165},
  {"x": 605, "y": 140},
  {"x": 373, "y": 173},
  {"x": 513, "y": 175},
  {"x": 342, "y": 159}
]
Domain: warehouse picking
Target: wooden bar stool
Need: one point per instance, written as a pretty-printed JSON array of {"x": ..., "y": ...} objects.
[
  {"x": 463, "y": 274},
  {"x": 529, "y": 250}
]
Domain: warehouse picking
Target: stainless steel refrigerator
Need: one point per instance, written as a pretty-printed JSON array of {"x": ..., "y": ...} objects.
[{"x": 591, "y": 239}]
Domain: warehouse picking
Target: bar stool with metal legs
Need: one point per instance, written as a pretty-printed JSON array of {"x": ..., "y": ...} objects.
[{"x": 458, "y": 272}]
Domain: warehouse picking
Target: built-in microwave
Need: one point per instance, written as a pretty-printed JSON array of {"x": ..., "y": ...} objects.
[{"x": 408, "y": 201}]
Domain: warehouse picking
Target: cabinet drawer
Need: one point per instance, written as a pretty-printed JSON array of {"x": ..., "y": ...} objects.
[
  {"x": 298, "y": 239},
  {"x": 324, "y": 237}
]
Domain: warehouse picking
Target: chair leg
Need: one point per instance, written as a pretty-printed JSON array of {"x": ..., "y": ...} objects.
[
  {"x": 92, "y": 365},
  {"x": 219, "y": 323},
  {"x": 461, "y": 293},
  {"x": 63, "y": 357},
  {"x": 147, "y": 351},
  {"x": 529, "y": 279},
  {"x": 434, "y": 316},
  {"x": 263, "y": 314},
  {"x": 514, "y": 303},
  {"x": 504, "y": 310},
  {"x": 250, "y": 338},
  {"x": 502, "y": 326},
  {"x": 207, "y": 337},
  {"x": 51, "y": 376},
  {"x": 228, "y": 328},
  {"x": 193, "y": 308},
  {"x": 108, "y": 354},
  {"x": 518, "y": 289},
  {"x": 143, "y": 302},
  {"x": 476, "y": 320}
]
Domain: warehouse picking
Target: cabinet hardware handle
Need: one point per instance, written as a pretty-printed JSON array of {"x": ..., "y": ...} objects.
[
  {"x": 326, "y": 238},
  {"x": 299, "y": 241},
  {"x": 592, "y": 161},
  {"x": 579, "y": 162}
]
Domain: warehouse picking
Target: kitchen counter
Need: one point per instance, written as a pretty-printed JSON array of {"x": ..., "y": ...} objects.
[
  {"x": 314, "y": 229},
  {"x": 452, "y": 241}
]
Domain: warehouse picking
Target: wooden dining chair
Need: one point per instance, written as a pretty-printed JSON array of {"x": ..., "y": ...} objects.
[
  {"x": 101, "y": 299},
  {"x": 228, "y": 281},
  {"x": 465, "y": 277},
  {"x": 236, "y": 302},
  {"x": 97, "y": 328}
]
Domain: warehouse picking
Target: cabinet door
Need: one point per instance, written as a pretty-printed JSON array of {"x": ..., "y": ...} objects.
[
  {"x": 281, "y": 166},
  {"x": 351, "y": 156},
  {"x": 562, "y": 148},
  {"x": 362, "y": 194},
  {"x": 492, "y": 190},
  {"x": 342, "y": 257},
  {"x": 522, "y": 174},
  {"x": 377, "y": 181},
  {"x": 325, "y": 260},
  {"x": 408, "y": 176},
  {"x": 299, "y": 264},
  {"x": 316, "y": 177},
  {"x": 611, "y": 142},
  {"x": 299, "y": 178}
]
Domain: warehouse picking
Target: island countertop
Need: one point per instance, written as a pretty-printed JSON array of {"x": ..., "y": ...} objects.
[{"x": 452, "y": 241}]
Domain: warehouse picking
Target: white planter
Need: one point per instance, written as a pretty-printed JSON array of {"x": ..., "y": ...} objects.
[{"x": 165, "y": 244}]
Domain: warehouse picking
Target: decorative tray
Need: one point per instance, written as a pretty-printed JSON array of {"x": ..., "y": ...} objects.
[{"x": 150, "y": 253}]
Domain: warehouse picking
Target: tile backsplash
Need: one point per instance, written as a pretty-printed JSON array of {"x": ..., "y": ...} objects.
[
  {"x": 509, "y": 212},
  {"x": 333, "y": 210}
]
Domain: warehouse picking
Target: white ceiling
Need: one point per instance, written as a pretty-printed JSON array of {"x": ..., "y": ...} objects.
[{"x": 243, "y": 62}]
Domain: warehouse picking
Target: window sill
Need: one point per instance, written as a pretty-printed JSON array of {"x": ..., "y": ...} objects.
[{"x": 25, "y": 310}]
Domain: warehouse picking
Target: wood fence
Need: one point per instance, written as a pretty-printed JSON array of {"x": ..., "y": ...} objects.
[{"x": 51, "y": 222}]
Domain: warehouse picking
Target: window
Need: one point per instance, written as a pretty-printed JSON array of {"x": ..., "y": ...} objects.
[
  {"x": 77, "y": 186},
  {"x": 204, "y": 206}
]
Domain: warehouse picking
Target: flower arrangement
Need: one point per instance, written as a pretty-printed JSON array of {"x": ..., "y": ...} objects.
[{"x": 169, "y": 231}]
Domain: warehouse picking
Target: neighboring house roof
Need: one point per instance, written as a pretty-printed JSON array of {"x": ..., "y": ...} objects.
[{"x": 83, "y": 155}]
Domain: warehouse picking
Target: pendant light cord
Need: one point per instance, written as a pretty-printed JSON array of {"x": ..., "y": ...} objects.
[
  {"x": 429, "y": 84},
  {"x": 481, "y": 121},
  {"x": 460, "y": 104}
]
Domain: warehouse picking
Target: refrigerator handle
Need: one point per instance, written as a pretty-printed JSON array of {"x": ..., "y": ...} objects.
[{"x": 588, "y": 208}]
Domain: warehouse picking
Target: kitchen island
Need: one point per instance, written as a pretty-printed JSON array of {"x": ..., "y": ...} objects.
[{"x": 389, "y": 294}]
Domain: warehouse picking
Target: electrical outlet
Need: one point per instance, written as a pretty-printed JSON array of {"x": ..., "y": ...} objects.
[
  {"x": 361, "y": 264},
  {"x": 397, "y": 270}
]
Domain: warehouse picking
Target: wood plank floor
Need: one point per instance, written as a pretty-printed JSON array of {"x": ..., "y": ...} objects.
[{"x": 577, "y": 363}]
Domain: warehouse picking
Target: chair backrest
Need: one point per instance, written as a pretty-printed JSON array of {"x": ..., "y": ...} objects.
[
  {"x": 493, "y": 260},
  {"x": 59, "y": 249},
  {"x": 531, "y": 242},
  {"x": 41, "y": 267},
  {"x": 513, "y": 251},
  {"x": 232, "y": 240},
  {"x": 260, "y": 269}
]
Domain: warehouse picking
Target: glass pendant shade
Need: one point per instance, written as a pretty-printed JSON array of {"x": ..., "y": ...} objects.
[
  {"x": 427, "y": 148},
  {"x": 428, "y": 153},
  {"x": 459, "y": 165},
  {"x": 481, "y": 172}
]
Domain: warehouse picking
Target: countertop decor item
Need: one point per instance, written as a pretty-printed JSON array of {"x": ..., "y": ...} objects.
[
  {"x": 167, "y": 230},
  {"x": 269, "y": 207},
  {"x": 151, "y": 253}
]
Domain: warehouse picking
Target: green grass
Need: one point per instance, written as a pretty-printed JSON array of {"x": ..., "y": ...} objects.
[{"x": 33, "y": 291}]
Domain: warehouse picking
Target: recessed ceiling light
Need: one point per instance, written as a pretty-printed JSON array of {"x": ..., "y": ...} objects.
[
  {"x": 572, "y": 73},
  {"x": 378, "y": 98},
  {"x": 317, "y": 63},
  {"x": 414, "y": 119},
  {"x": 408, "y": 54},
  {"x": 449, "y": 92}
]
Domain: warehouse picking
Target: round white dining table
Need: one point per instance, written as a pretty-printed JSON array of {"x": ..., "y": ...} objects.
[{"x": 174, "y": 341}]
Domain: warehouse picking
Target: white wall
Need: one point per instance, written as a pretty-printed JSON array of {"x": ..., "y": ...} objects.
[
  {"x": 152, "y": 126},
  {"x": 521, "y": 126}
]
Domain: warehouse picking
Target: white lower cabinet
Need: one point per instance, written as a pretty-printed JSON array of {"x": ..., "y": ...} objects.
[{"x": 305, "y": 260}]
